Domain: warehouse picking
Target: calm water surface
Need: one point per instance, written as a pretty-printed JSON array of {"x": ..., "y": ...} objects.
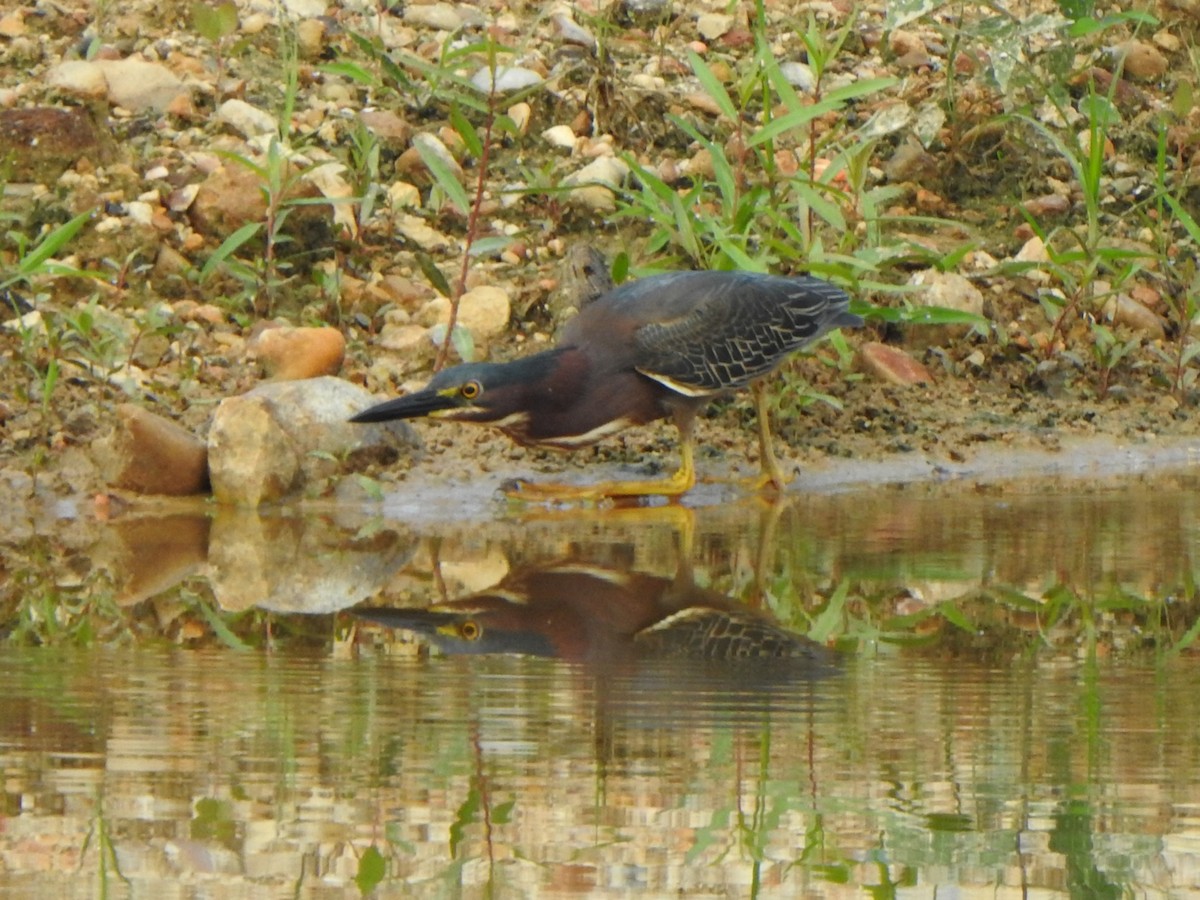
[{"x": 1009, "y": 723}]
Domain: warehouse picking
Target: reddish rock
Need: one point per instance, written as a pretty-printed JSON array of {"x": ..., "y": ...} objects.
[
  {"x": 41, "y": 143},
  {"x": 152, "y": 455},
  {"x": 892, "y": 365},
  {"x": 290, "y": 354}
]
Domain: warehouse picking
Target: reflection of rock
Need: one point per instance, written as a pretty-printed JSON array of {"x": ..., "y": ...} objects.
[
  {"x": 148, "y": 555},
  {"x": 284, "y": 436},
  {"x": 303, "y": 564}
]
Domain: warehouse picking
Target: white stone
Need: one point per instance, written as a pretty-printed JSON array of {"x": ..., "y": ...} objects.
[
  {"x": 441, "y": 16},
  {"x": 610, "y": 171},
  {"x": 247, "y": 120},
  {"x": 504, "y": 79},
  {"x": 711, "y": 26},
  {"x": 402, "y": 195},
  {"x": 948, "y": 290},
  {"x": 140, "y": 86},
  {"x": 560, "y": 136},
  {"x": 83, "y": 79}
]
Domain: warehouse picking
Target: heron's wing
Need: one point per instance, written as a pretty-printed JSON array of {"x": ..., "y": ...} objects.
[{"x": 710, "y": 335}]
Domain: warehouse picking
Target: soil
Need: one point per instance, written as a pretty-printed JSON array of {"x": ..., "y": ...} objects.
[{"x": 998, "y": 405}]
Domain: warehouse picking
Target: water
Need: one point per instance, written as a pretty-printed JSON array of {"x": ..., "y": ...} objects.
[{"x": 1015, "y": 715}]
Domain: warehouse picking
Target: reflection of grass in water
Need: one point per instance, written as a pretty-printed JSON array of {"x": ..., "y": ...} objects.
[{"x": 993, "y": 620}]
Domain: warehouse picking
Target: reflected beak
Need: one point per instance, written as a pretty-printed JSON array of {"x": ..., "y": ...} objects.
[
  {"x": 425, "y": 622},
  {"x": 410, "y": 406}
]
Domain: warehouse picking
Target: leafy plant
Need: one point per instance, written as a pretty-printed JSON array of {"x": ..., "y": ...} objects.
[{"x": 215, "y": 24}]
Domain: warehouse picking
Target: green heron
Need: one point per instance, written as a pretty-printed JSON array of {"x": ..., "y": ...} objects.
[{"x": 656, "y": 348}]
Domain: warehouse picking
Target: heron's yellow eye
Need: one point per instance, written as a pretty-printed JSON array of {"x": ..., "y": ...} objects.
[
  {"x": 471, "y": 390},
  {"x": 470, "y": 630}
]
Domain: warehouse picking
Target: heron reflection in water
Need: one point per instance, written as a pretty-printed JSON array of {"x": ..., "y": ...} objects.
[{"x": 606, "y": 617}]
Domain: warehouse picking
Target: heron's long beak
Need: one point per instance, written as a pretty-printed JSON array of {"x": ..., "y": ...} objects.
[{"x": 410, "y": 406}]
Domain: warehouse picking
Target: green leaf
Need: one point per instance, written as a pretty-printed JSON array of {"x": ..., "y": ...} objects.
[
  {"x": 831, "y": 102},
  {"x": 443, "y": 176},
  {"x": 1185, "y": 218},
  {"x": 214, "y": 22},
  {"x": 372, "y": 868},
  {"x": 620, "y": 267},
  {"x": 51, "y": 243},
  {"x": 830, "y": 618},
  {"x": 349, "y": 70},
  {"x": 219, "y": 628},
  {"x": 432, "y": 273},
  {"x": 466, "y": 131},
  {"x": 463, "y": 343},
  {"x": 228, "y": 247},
  {"x": 493, "y": 244},
  {"x": 462, "y": 819},
  {"x": 712, "y": 86},
  {"x": 372, "y": 488},
  {"x": 502, "y": 812}
]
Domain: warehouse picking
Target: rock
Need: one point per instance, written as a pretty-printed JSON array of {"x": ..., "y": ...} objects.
[
  {"x": 904, "y": 43},
  {"x": 1141, "y": 61},
  {"x": 12, "y": 24},
  {"x": 484, "y": 311},
  {"x": 141, "y": 86},
  {"x": 80, "y": 78},
  {"x": 560, "y": 136},
  {"x": 310, "y": 37},
  {"x": 246, "y": 120},
  {"x": 305, "y": 9},
  {"x": 1047, "y": 205},
  {"x": 441, "y": 16},
  {"x": 301, "y": 565},
  {"x": 1033, "y": 253},
  {"x": 892, "y": 365},
  {"x": 504, "y": 79},
  {"x": 284, "y": 437},
  {"x": 292, "y": 354},
  {"x": 948, "y": 290},
  {"x": 799, "y": 75},
  {"x": 151, "y": 455},
  {"x": 226, "y": 200},
  {"x": 421, "y": 233},
  {"x": 40, "y": 143},
  {"x": 610, "y": 171},
  {"x": 571, "y": 32},
  {"x": 391, "y": 130},
  {"x": 406, "y": 339},
  {"x": 521, "y": 115},
  {"x": 711, "y": 26},
  {"x": 434, "y": 145},
  {"x": 402, "y": 195},
  {"x": 1124, "y": 310}
]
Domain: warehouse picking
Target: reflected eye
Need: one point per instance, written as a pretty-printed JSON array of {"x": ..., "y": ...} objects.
[
  {"x": 470, "y": 630},
  {"x": 470, "y": 390}
]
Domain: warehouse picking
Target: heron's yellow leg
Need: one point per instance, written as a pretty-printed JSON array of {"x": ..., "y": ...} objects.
[
  {"x": 772, "y": 473},
  {"x": 678, "y": 483}
]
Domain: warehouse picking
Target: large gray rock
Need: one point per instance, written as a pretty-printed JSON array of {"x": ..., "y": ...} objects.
[{"x": 284, "y": 439}]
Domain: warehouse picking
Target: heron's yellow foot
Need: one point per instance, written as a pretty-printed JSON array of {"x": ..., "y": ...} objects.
[{"x": 675, "y": 485}]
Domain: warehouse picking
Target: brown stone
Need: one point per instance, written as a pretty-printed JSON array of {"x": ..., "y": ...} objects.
[
  {"x": 892, "y": 365},
  {"x": 152, "y": 455},
  {"x": 290, "y": 354},
  {"x": 43, "y": 142}
]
